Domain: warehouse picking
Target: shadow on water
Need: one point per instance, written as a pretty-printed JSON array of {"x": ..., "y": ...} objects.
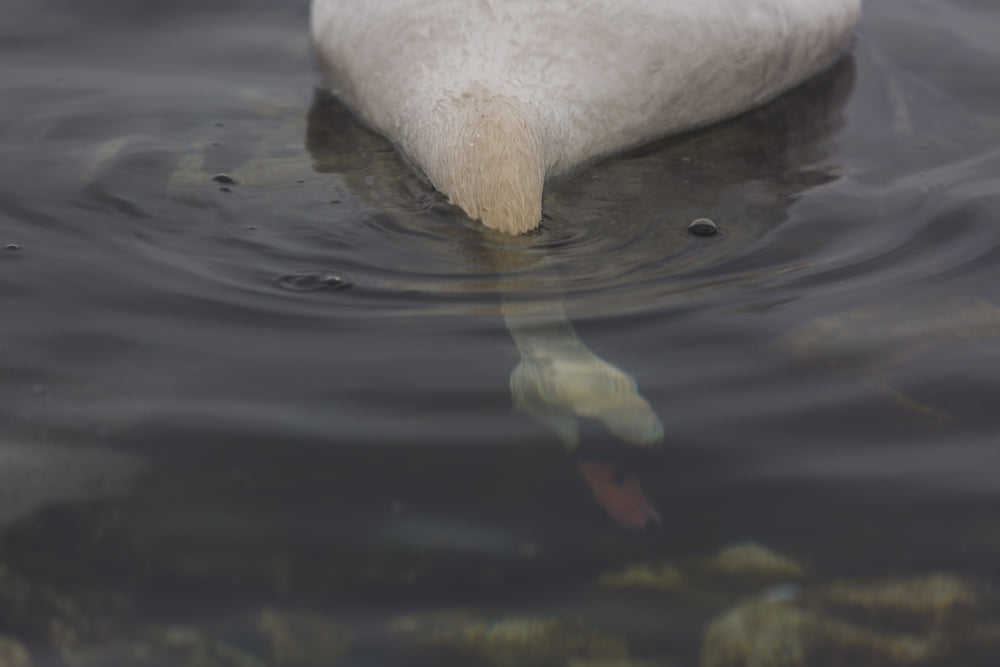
[{"x": 268, "y": 420}]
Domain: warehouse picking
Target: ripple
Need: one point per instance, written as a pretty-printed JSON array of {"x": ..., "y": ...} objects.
[
  {"x": 615, "y": 237},
  {"x": 313, "y": 281}
]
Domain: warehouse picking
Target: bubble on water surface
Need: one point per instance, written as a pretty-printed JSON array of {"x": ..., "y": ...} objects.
[
  {"x": 224, "y": 178},
  {"x": 703, "y": 227}
]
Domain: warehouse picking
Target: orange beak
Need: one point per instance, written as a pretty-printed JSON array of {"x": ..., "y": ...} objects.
[{"x": 620, "y": 494}]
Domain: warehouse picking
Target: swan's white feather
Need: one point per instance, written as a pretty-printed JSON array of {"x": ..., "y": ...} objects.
[{"x": 491, "y": 97}]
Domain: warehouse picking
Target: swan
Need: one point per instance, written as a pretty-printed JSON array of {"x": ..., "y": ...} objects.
[{"x": 490, "y": 98}]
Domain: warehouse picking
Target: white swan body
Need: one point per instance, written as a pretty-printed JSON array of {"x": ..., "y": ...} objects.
[{"x": 491, "y": 97}]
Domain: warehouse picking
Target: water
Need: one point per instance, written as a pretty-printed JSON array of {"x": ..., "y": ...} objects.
[{"x": 274, "y": 425}]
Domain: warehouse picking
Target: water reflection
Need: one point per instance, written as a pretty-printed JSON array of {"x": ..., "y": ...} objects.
[{"x": 917, "y": 326}]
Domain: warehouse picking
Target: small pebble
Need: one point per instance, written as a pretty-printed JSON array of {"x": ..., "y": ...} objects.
[
  {"x": 703, "y": 227},
  {"x": 301, "y": 180},
  {"x": 12, "y": 246},
  {"x": 224, "y": 178},
  {"x": 223, "y": 188},
  {"x": 334, "y": 201},
  {"x": 685, "y": 159}
]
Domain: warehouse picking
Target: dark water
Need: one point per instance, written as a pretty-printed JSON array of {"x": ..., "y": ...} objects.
[{"x": 271, "y": 422}]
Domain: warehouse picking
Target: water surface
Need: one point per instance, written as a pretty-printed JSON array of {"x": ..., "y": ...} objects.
[{"x": 244, "y": 420}]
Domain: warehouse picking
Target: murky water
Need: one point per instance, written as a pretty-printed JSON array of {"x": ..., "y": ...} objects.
[{"x": 272, "y": 421}]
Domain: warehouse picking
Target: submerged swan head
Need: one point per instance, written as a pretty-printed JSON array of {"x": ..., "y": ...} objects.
[{"x": 491, "y": 98}]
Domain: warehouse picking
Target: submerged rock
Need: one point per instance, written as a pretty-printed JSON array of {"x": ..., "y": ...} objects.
[
  {"x": 13, "y": 653},
  {"x": 933, "y": 594},
  {"x": 751, "y": 559},
  {"x": 737, "y": 567},
  {"x": 921, "y": 604},
  {"x": 196, "y": 649},
  {"x": 513, "y": 641},
  {"x": 162, "y": 647},
  {"x": 769, "y": 633},
  {"x": 31, "y": 610},
  {"x": 92, "y": 630},
  {"x": 664, "y": 577},
  {"x": 932, "y": 620},
  {"x": 304, "y": 640}
]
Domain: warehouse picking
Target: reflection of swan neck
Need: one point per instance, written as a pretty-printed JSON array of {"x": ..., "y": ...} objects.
[{"x": 485, "y": 153}]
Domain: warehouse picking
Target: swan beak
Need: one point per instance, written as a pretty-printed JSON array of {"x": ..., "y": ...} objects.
[{"x": 619, "y": 494}]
